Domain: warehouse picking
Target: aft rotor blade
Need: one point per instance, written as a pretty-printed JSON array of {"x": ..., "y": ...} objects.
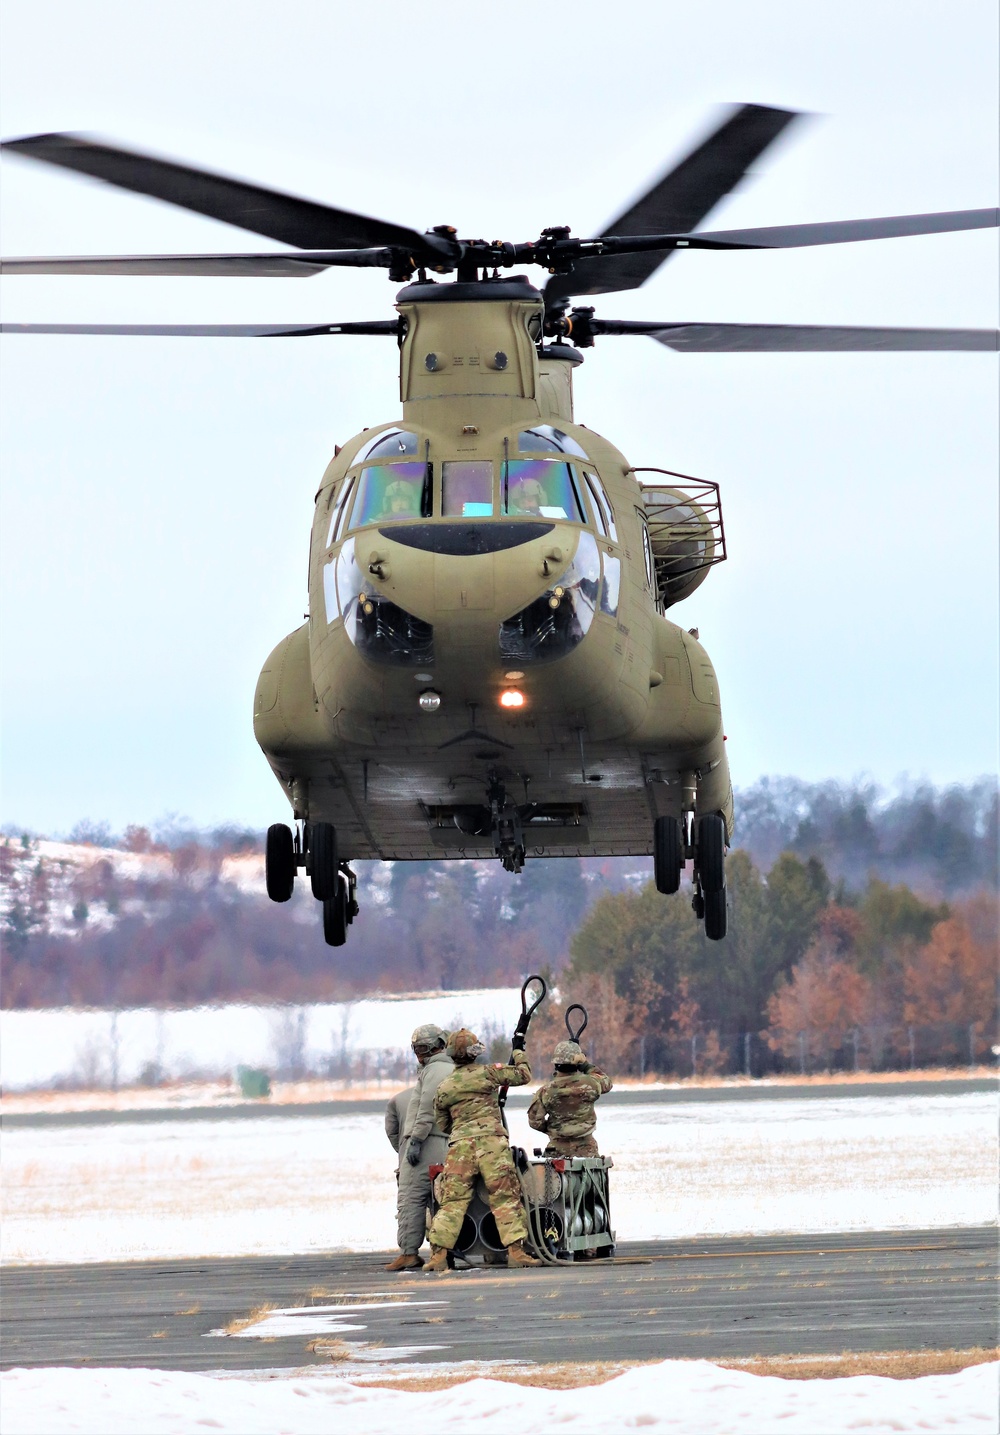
[
  {"x": 798, "y": 338},
  {"x": 844, "y": 231},
  {"x": 302, "y": 222},
  {"x": 293, "y": 265},
  {"x": 677, "y": 202},
  {"x": 212, "y": 331}
]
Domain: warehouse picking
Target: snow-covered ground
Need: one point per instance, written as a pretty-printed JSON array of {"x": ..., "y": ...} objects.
[
  {"x": 694, "y": 1397},
  {"x": 184, "y": 1188},
  {"x": 44, "y": 1048}
]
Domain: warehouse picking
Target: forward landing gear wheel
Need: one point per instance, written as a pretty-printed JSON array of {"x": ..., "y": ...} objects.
[
  {"x": 668, "y": 854},
  {"x": 335, "y": 917},
  {"x": 279, "y": 862},
  {"x": 716, "y": 915},
  {"x": 323, "y": 871},
  {"x": 710, "y": 850}
]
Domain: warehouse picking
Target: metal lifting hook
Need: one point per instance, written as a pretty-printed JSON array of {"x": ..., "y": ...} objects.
[
  {"x": 523, "y": 1022},
  {"x": 576, "y": 1035}
]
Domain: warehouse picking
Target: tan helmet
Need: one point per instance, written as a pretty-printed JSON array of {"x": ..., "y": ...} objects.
[
  {"x": 568, "y": 1053},
  {"x": 464, "y": 1046},
  {"x": 428, "y": 1038}
]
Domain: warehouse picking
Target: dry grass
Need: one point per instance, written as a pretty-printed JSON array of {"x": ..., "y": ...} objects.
[
  {"x": 191, "y": 1310},
  {"x": 894, "y": 1364},
  {"x": 331, "y": 1349},
  {"x": 244, "y": 1322}
]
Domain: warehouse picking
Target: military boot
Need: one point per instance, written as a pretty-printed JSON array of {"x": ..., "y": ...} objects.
[
  {"x": 438, "y": 1261},
  {"x": 518, "y": 1256},
  {"x": 406, "y": 1261}
]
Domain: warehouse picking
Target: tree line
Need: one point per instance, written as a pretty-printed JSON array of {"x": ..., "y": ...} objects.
[{"x": 833, "y": 958}]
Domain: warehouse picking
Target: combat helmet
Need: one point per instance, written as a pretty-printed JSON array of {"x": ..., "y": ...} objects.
[
  {"x": 569, "y": 1053},
  {"x": 464, "y": 1046},
  {"x": 428, "y": 1038}
]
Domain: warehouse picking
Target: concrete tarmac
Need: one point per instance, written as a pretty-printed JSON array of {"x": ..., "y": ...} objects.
[
  {"x": 709, "y": 1298},
  {"x": 634, "y": 1096}
]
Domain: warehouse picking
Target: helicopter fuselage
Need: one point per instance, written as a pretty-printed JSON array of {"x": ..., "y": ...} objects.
[{"x": 484, "y": 617}]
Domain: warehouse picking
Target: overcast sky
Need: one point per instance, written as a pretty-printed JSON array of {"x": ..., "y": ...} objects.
[{"x": 157, "y": 493}]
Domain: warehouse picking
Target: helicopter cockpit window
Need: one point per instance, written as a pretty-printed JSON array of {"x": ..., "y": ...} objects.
[
  {"x": 555, "y": 623},
  {"x": 392, "y": 491},
  {"x": 393, "y": 443},
  {"x": 611, "y": 585},
  {"x": 602, "y": 507},
  {"x": 338, "y": 510},
  {"x": 543, "y": 438},
  {"x": 538, "y": 488},
  {"x": 467, "y": 489}
]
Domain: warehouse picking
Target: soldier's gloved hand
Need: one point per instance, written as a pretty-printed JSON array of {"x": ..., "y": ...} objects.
[
  {"x": 517, "y": 1044},
  {"x": 413, "y": 1151}
]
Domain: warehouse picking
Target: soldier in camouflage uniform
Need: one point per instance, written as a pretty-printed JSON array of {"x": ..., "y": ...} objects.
[
  {"x": 467, "y": 1107},
  {"x": 564, "y": 1107}
]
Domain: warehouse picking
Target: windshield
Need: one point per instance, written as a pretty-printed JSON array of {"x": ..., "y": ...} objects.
[
  {"x": 543, "y": 438},
  {"x": 392, "y": 491},
  {"x": 538, "y": 488},
  {"x": 467, "y": 489},
  {"x": 394, "y": 443}
]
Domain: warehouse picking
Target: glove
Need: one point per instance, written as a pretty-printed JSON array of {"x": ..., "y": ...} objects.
[
  {"x": 518, "y": 1042},
  {"x": 413, "y": 1151}
]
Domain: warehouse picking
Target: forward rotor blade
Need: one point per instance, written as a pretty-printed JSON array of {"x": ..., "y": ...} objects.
[
  {"x": 677, "y": 202},
  {"x": 844, "y": 231},
  {"x": 211, "y": 331},
  {"x": 293, "y": 265},
  {"x": 797, "y": 338},
  {"x": 301, "y": 222}
]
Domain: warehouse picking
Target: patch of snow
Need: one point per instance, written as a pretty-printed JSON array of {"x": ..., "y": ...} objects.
[
  {"x": 191, "y": 1188},
  {"x": 42, "y": 1048},
  {"x": 683, "y": 1397}
]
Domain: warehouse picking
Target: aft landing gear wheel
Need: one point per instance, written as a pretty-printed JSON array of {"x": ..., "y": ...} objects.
[
  {"x": 279, "y": 862},
  {"x": 710, "y": 852},
  {"x": 716, "y": 915},
  {"x": 335, "y": 917},
  {"x": 323, "y": 871},
  {"x": 668, "y": 854}
]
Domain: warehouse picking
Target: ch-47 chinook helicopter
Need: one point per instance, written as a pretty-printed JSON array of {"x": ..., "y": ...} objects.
[{"x": 487, "y": 665}]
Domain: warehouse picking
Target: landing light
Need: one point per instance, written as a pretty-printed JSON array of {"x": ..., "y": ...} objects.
[
  {"x": 430, "y": 701},
  {"x": 512, "y": 699}
]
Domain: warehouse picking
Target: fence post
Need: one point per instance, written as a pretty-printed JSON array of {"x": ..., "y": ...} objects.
[
  {"x": 642, "y": 1055},
  {"x": 746, "y": 1053},
  {"x": 854, "y": 1039},
  {"x": 802, "y": 1052},
  {"x": 972, "y": 1046},
  {"x": 913, "y": 1048},
  {"x": 694, "y": 1055}
]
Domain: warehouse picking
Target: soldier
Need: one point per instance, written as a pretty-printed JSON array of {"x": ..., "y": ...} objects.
[
  {"x": 467, "y": 1107},
  {"x": 395, "y": 1117},
  {"x": 564, "y": 1107},
  {"x": 422, "y": 1144}
]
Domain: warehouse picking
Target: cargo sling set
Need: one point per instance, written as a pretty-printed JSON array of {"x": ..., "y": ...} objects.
[{"x": 566, "y": 1198}]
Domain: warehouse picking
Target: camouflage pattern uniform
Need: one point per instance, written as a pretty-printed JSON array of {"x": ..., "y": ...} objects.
[
  {"x": 467, "y": 1106},
  {"x": 564, "y": 1107}
]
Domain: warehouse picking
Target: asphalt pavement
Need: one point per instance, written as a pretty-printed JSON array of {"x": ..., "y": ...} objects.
[
  {"x": 712, "y": 1298},
  {"x": 634, "y": 1096}
]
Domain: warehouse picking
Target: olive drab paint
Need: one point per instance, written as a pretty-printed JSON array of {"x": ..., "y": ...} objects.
[{"x": 622, "y": 726}]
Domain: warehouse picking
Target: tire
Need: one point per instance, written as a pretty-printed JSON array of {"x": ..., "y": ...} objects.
[
  {"x": 335, "y": 918},
  {"x": 716, "y": 915},
  {"x": 668, "y": 854},
  {"x": 323, "y": 871},
  {"x": 279, "y": 862},
  {"x": 710, "y": 847}
]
